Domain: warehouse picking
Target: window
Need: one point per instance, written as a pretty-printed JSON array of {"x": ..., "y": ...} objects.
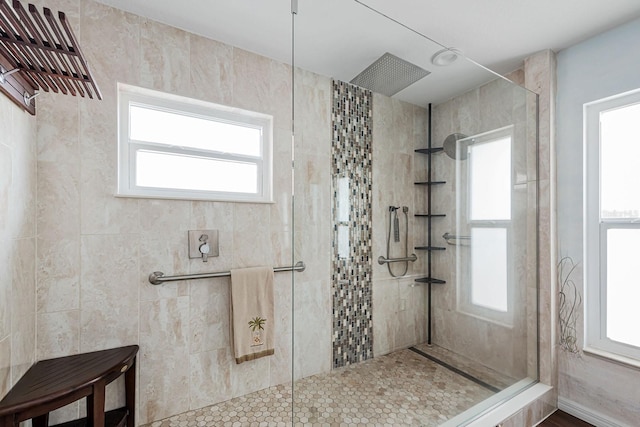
[
  {"x": 612, "y": 215},
  {"x": 180, "y": 148},
  {"x": 485, "y": 213}
]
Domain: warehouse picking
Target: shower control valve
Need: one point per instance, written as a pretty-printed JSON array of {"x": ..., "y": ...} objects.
[
  {"x": 204, "y": 247},
  {"x": 203, "y": 244}
]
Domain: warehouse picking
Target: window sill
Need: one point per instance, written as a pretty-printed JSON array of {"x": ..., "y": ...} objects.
[
  {"x": 611, "y": 357},
  {"x": 192, "y": 199}
]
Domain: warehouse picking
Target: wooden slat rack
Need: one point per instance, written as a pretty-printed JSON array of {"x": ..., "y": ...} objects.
[{"x": 38, "y": 51}]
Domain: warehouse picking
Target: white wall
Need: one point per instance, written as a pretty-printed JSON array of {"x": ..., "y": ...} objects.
[{"x": 605, "y": 65}]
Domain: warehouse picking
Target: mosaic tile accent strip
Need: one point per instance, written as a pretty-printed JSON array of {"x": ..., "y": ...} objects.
[
  {"x": 352, "y": 122},
  {"x": 398, "y": 389}
]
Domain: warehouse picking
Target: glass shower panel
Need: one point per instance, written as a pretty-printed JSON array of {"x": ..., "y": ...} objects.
[{"x": 360, "y": 334}]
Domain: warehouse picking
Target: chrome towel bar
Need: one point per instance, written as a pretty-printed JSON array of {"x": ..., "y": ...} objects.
[
  {"x": 383, "y": 260},
  {"x": 158, "y": 277}
]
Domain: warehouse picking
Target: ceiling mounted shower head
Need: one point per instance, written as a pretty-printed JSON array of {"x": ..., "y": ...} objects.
[
  {"x": 453, "y": 149},
  {"x": 389, "y": 74}
]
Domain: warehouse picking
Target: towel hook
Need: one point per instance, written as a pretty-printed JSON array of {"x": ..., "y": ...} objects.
[
  {"x": 4, "y": 74},
  {"x": 27, "y": 98}
]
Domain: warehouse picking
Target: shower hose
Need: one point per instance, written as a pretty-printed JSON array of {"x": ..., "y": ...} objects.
[{"x": 393, "y": 223}]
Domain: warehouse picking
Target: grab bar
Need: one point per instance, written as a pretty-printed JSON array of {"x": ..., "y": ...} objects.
[
  {"x": 383, "y": 260},
  {"x": 448, "y": 237},
  {"x": 158, "y": 277}
]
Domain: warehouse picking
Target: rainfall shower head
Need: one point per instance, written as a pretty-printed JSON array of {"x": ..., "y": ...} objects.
[
  {"x": 453, "y": 149},
  {"x": 389, "y": 74}
]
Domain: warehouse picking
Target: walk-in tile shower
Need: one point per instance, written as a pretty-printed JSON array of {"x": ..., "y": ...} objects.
[{"x": 456, "y": 146}]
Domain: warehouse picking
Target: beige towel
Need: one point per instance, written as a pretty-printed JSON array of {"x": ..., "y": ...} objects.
[{"x": 252, "y": 313}]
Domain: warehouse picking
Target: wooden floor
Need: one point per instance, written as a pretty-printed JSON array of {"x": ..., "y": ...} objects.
[{"x": 562, "y": 419}]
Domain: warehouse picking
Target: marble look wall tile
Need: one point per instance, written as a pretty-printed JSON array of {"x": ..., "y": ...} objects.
[
  {"x": 312, "y": 327},
  {"x": 23, "y": 311},
  {"x": 22, "y": 206},
  {"x": 412, "y": 319},
  {"x": 6, "y": 269},
  {"x": 464, "y": 112},
  {"x": 58, "y": 196},
  {"x": 58, "y": 133},
  {"x": 385, "y": 321},
  {"x": 164, "y": 347},
  {"x": 401, "y": 138},
  {"x": 66, "y": 413},
  {"x": 58, "y": 271},
  {"x": 245, "y": 219},
  {"x": 211, "y": 66},
  {"x": 280, "y": 365},
  {"x": 166, "y": 252},
  {"x": 58, "y": 334},
  {"x": 109, "y": 297},
  {"x": 210, "y": 377},
  {"x": 497, "y": 104},
  {"x": 5, "y": 366},
  {"x": 313, "y": 114},
  {"x": 123, "y": 28},
  {"x": 516, "y": 420},
  {"x": 17, "y": 242},
  {"x": 284, "y": 287},
  {"x": 209, "y": 315},
  {"x": 161, "y": 216},
  {"x": 281, "y": 96},
  {"x": 540, "y": 78},
  {"x": 23, "y": 343},
  {"x": 164, "y": 61},
  {"x": 249, "y": 376},
  {"x": 251, "y": 81},
  {"x": 101, "y": 212},
  {"x": 5, "y": 186}
]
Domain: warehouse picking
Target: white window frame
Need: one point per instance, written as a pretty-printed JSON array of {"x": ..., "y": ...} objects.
[
  {"x": 465, "y": 303},
  {"x": 595, "y": 235},
  {"x": 131, "y": 95}
]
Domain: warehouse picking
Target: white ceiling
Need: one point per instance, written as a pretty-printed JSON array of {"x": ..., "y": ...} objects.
[{"x": 339, "y": 38}]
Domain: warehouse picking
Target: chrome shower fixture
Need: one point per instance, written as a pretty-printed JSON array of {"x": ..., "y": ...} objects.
[
  {"x": 452, "y": 149},
  {"x": 389, "y": 75}
]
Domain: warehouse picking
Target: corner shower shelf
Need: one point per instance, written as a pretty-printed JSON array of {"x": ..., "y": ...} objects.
[
  {"x": 429, "y": 248},
  {"x": 430, "y": 215},
  {"x": 39, "y": 52},
  {"x": 430, "y": 280},
  {"x": 431, "y": 182},
  {"x": 429, "y": 150}
]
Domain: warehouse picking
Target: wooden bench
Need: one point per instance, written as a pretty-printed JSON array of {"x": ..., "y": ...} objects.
[{"x": 54, "y": 383}]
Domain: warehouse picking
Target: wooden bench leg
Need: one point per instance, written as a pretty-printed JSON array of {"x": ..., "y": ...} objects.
[
  {"x": 95, "y": 405},
  {"x": 130, "y": 393},
  {"x": 7, "y": 421}
]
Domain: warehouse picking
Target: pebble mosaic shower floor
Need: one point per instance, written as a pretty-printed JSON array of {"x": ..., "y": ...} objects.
[{"x": 399, "y": 389}]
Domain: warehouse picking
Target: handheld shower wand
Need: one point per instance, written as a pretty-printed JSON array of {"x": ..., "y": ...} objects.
[
  {"x": 393, "y": 217},
  {"x": 396, "y": 227}
]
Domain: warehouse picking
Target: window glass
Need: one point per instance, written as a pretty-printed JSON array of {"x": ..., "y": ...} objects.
[
  {"x": 489, "y": 268},
  {"x": 490, "y": 180},
  {"x": 623, "y": 286},
  {"x": 620, "y": 162},
  {"x": 168, "y": 170},
  {"x": 174, "y": 128}
]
